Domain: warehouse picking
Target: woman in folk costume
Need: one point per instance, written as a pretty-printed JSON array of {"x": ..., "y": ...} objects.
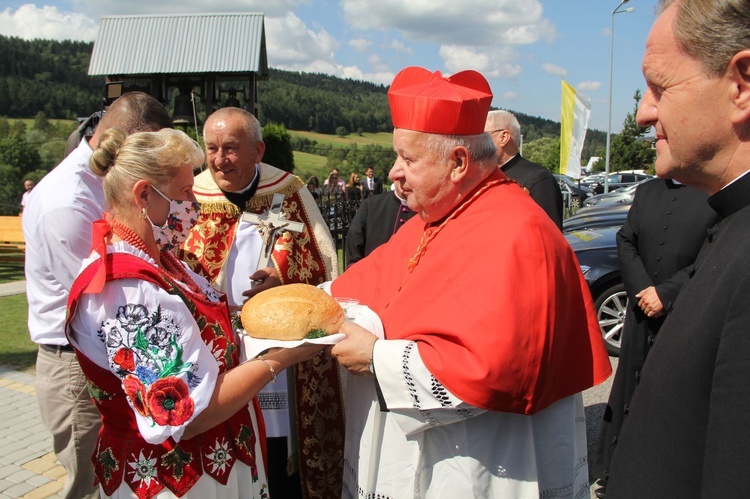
[{"x": 156, "y": 341}]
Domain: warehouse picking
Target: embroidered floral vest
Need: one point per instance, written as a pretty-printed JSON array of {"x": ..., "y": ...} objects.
[{"x": 121, "y": 452}]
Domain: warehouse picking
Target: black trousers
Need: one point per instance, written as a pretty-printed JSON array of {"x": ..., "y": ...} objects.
[{"x": 281, "y": 485}]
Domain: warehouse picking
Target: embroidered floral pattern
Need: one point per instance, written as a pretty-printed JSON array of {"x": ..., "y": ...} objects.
[
  {"x": 143, "y": 350},
  {"x": 219, "y": 456},
  {"x": 170, "y": 402},
  {"x": 177, "y": 460},
  {"x": 125, "y": 359},
  {"x": 142, "y": 469},
  {"x": 97, "y": 393},
  {"x": 108, "y": 463},
  {"x": 136, "y": 392}
]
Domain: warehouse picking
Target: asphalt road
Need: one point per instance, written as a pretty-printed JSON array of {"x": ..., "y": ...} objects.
[{"x": 594, "y": 401}]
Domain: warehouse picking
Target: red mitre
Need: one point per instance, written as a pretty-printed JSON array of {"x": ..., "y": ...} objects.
[{"x": 428, "y": 102}]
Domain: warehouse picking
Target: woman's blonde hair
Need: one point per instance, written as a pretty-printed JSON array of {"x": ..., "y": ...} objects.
[
  {"x": 156, "y": 157},
  {"x": 353, "y": 180}
]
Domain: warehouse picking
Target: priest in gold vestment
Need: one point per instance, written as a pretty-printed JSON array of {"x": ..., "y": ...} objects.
[{"x": 304, "y": 426}]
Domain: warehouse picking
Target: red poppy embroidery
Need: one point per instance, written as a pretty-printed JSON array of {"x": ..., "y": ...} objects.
[
  {"x": 136, "y": 392},
  {"x": 125, "y": 359},
  {"x": 169, "y": 401}
]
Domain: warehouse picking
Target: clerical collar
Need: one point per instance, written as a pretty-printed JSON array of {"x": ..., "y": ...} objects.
[
  {"x": 401, "y": 200},
  {"x": 733, "y": 197},
  {"x": 511, "y": 162},
  {"x": 241, "y": 198}
]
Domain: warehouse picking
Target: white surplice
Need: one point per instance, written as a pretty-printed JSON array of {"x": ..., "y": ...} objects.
[{"x": 432, "y": 445}]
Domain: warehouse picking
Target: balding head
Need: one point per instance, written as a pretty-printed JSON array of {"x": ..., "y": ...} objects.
[
  {"x": 133, "y": 112},
  {"x": 505, "y": 131},
  {"x": 245, "y": 119}
]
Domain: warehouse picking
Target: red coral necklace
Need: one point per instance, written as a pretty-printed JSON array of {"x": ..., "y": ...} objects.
[{"x": 169, "y": 264}]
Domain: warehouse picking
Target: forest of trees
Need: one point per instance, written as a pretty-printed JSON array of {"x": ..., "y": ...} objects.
[
  {"x": 51, "y": 76},
  {"x": 46, "y": 80}
]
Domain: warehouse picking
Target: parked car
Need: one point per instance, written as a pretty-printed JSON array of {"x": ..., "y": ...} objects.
[
  {"x": 619, "y": 179},
  {"x": 573, "y": 193},
  {"x": 596, "y": 249},
  {"x": 592, "y": 179},
  {"x": 621, "y": 195},
  {"x": 612, "y": 215}
]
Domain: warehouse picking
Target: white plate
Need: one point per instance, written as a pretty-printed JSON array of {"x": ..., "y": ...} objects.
[{"x": 251, "y": 347}]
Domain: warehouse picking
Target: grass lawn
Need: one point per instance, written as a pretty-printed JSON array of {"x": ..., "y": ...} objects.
[
  {"x": 17, "y": 351},
  {"x": 380, "y": 139},
  {"x": 11, "y": 266},
  {"x": 306, "y": 165}
]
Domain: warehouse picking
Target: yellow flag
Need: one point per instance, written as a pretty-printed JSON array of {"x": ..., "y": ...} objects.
[{"x": 576, "y": 109}]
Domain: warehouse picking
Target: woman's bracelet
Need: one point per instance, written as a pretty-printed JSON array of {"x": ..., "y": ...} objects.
[{"x": 270, "y": 367}]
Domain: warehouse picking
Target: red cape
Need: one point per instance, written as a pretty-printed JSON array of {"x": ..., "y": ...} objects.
[{"x": 497, "y": 304}]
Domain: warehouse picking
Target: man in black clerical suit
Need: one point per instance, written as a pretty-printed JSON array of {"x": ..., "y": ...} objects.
[
  {"x": 505, "y": 131},
  {"x": 686, "y": 433},
  {"x": 370, "y": 184},
  {"x": 657, "y": 245},
  {"x": 376, "y": 220}
]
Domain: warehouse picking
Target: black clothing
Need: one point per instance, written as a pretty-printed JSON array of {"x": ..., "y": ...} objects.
[
  {"x": 377, "y": 187},
  {"x": 687, "y": 433},
  {"x": 280, "y": 482},
  {"x": 657, "y": 245},
  {"x": 376, "y": 220},
  {"x": 353, "y": 193},
  {"x": 540, "y": 183}
]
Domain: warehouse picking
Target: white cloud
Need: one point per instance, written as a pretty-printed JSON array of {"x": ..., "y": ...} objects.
[
  {"x": 589, "y": 85},
  {"x": 276, "y": 8},
  {"x": 484, "y": 23},
  {"x": 377, "y": 63},
  {"x": 496, "y": 63},
  {"x": 510, "y": 95},
  {"x": 360, "y": 44},
  {"x": 400, "y": 47},
  {"x": 292, "y": 45},
  {"x": 554, "y": 69},
  {"x": 29, "y": 22}
]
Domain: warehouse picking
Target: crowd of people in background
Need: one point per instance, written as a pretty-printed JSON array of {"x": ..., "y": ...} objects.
[{"x": 354, "y": 190}]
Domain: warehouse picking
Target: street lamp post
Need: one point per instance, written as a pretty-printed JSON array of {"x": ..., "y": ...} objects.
[{"x": 611, "y": 63}]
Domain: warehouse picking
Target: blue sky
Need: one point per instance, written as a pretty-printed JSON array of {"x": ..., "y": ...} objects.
[{"x": 523, "y": 47}]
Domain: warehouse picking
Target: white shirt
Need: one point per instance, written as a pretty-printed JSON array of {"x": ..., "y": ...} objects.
[
  {"x": 242, "y": 262},
  {"x": 57, "y": 229},
  {"x": 24, "y": 198}
]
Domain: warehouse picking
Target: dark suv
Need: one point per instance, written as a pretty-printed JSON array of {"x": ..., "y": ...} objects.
[{"x": 573, "y": 194}]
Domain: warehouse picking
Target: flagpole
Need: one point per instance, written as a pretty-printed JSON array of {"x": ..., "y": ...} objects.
[{"x": 611, "y": 64}]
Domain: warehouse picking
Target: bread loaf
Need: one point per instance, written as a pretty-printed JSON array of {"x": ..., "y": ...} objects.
[{"x": 291, "y": 312}]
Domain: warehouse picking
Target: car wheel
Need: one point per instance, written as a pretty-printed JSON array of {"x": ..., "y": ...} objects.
[
  {"x": 611, "y": 306},
  {"x": 575, "y": 203}
]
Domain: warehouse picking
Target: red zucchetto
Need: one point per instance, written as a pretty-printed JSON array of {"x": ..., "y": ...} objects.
[{"x": 428, "y": 102}]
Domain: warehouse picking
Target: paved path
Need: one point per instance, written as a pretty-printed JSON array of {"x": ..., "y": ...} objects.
[
  {"x": 28, "y": 467},
  {"x": 13, "y": 288}
]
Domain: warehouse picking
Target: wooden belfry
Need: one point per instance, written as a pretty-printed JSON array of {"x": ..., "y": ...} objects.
[{"x": 203, "y": 61}]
